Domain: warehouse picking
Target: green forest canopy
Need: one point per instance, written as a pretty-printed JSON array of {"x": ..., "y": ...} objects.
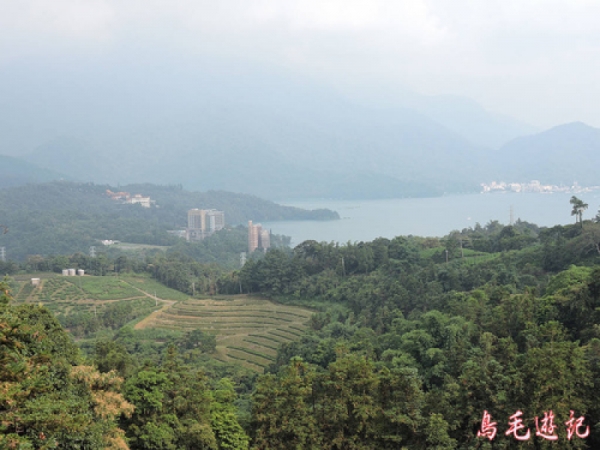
[{"x": 404, "y": 350}]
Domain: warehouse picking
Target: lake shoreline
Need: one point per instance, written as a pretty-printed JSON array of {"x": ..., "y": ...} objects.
[{"x": 365, "y": 220}]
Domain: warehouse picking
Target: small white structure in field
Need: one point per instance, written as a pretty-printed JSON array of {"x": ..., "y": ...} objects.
[
  {"x": 35, "y": 281},
  {"x": 65, "y": 272},
  {"x": 80, "y": 272},
  {"x": 71, "y": 272}
]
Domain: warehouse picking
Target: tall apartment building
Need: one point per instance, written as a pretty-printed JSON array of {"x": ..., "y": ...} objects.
[
  {"x": 257, "y": 237},
  {"x": 203, "y": 223},
  {"x": 253, "y": 231}
]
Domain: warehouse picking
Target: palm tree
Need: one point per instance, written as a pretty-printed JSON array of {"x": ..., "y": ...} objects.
[{"x": 578, "y": 208}]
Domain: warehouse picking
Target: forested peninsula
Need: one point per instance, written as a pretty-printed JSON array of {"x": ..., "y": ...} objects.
[{"x": 63, "y": 217}]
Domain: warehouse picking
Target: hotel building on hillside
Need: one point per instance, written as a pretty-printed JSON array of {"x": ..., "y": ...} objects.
[{"x": 203, "y": 223}]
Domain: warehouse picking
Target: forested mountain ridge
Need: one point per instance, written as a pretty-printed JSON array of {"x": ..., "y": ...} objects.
[{"x": 65, "y": 217}]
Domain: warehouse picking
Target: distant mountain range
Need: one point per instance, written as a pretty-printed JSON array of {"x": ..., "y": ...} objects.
[{"x": 274, "y": 136}]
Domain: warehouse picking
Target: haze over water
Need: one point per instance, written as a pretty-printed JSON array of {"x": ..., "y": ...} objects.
[{"x": 365, "y": 220}]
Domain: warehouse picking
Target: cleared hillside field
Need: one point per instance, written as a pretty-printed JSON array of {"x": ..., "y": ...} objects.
[
  {"x": 75, "y": 289},
  {"x": 72, "y": 295},
  {"x": 248, "y": 330}
]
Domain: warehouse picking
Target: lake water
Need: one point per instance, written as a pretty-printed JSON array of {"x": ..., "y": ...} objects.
[{"x": 365, "y": 220}]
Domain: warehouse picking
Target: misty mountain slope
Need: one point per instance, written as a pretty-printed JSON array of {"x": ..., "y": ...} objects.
[
  {"x": 295, "y": 153},
  {"x": 16, "y": 172},
  {"x": 469, "y": 119},
  {"x": 401, "y": 143},
  {"x": 235, "y": 158},
  {"x": 461, "y": 115},
  {"x": 223, "y": 161},
  {"x": 285, "y": 160},
  {"x": 211, "y": 128},
  {"x": 562, "y": 154}
]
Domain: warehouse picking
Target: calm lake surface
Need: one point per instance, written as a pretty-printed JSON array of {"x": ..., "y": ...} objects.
[{"x": 365, "y": 220}]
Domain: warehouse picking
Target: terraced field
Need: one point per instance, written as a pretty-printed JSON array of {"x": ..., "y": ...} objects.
[{"x": 248, "y": 330}]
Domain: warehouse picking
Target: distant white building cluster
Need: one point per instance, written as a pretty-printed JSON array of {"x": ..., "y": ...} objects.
[
  {"x": 203, "y": 223},
  {"x": 139, "y": 199},
  {"x": 257, "y": 237},
  {"x": 128, "y": 199},
  {"x": 535, "y": 186}
]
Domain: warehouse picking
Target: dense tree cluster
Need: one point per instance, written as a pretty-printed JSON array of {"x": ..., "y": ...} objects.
[
  {"x": 410, "y": 353},
  {"x": 175, "y": 409},
  {"x": 48, "y": 399}
]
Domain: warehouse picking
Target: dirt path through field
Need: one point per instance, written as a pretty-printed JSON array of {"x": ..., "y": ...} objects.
[
  {"x": 146, "y": 321},
  {"x": 150, "y": 318}
]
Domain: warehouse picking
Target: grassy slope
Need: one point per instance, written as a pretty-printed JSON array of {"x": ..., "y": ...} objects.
[{"x": 69, "y": 295}]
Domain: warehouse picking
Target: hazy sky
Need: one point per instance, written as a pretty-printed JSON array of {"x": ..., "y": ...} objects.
[{"x": 536, "y": 60}]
